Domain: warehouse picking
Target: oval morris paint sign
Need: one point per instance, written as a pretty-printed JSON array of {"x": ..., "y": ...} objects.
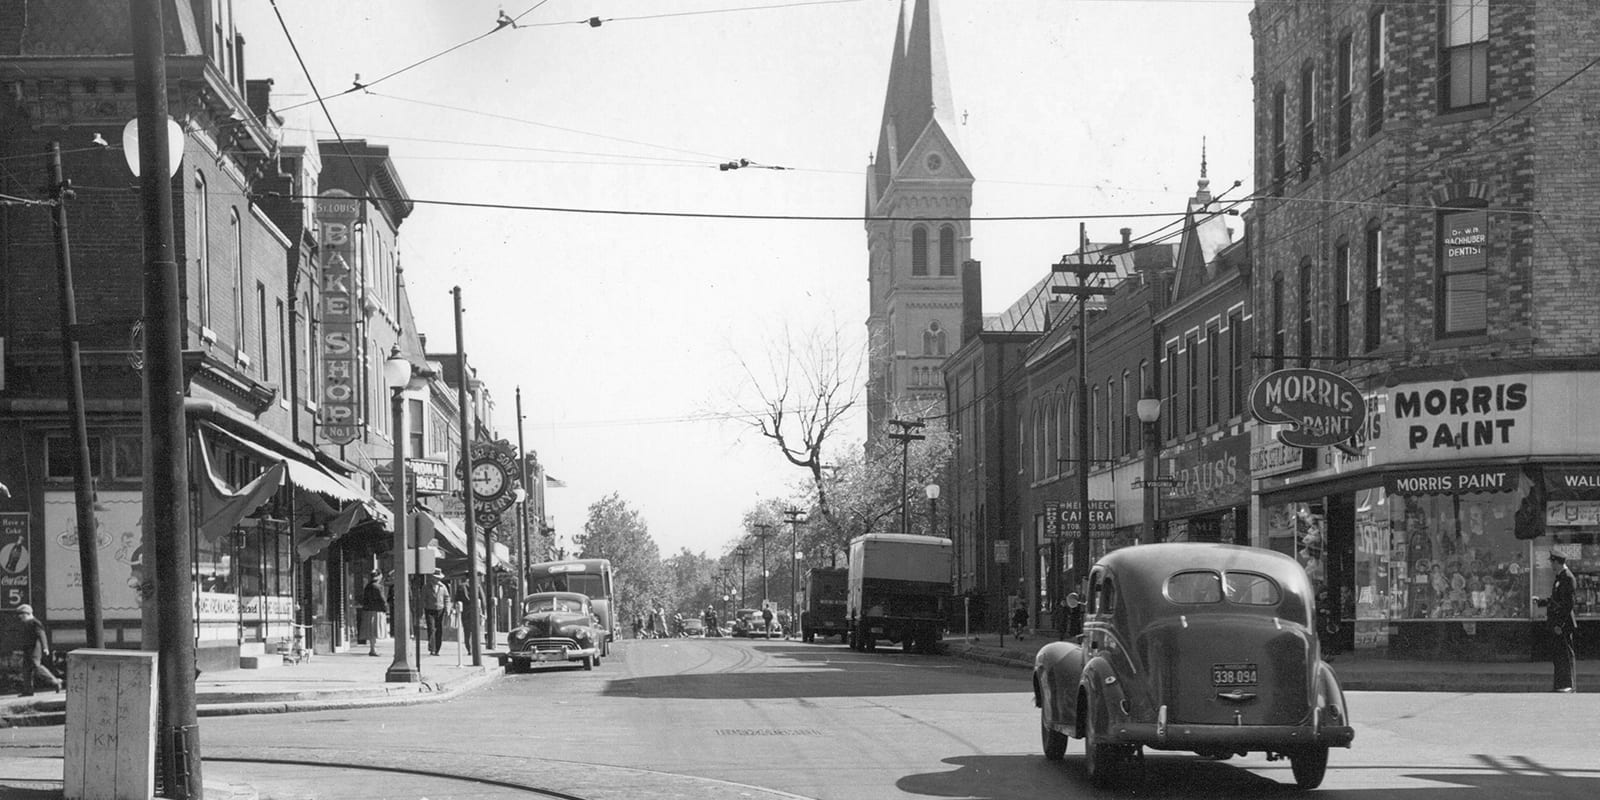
[{"x": 1317, "y": 408}]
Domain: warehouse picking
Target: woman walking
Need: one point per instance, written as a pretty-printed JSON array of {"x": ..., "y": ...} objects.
[{"x": 374, "y": 605}]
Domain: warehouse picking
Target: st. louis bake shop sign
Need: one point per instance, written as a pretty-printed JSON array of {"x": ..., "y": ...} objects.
[
  {"x": 1521, "y": 414},
  {"x": 1315, "y": 408}
]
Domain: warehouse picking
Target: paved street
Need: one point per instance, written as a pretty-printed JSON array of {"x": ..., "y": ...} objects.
[{"x": 713, "y": 718}]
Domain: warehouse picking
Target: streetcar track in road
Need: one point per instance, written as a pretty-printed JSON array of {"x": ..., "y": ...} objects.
[{"x": 393, "y": 770}]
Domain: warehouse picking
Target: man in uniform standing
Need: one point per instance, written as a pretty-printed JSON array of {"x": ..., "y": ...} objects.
[{"x": 1561, "y": 621}]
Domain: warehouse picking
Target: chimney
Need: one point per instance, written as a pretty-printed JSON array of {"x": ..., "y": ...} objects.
[
  {"x": 971, "y": 299},
  {"x": 1127, "y": 237},
  {"x": 258, "y": 95}
]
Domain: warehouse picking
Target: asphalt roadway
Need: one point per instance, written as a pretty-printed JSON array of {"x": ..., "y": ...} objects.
[{"x": 356, "y": 680}]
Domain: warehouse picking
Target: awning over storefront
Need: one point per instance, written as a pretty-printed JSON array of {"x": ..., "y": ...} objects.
[
  {"x": 449, "y": 535},
  {"x": 336, "y": 491},
  {"x": 1572, "y": 483},
  {"x": 1465, "y": 480}
]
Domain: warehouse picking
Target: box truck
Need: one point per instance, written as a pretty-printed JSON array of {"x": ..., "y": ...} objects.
[
  {"x": 899, "y": 587},
  {"x": 826, "y": 591}
]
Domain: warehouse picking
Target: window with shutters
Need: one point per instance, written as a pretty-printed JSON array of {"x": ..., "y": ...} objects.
[
  {"x": 1373, "y": 332},
  {"x": 1463, "y": 272},
  {"x": 1280, "y": 154},
  {"x": 1341, "y": 300},
  {"x": 919, "y": 250},
  {"x": 1344, "y": 83},
  {"x": 1377, "y": 69},
  {"x": 1279, "y": 324},
  {"x": 947, "y": 250}
]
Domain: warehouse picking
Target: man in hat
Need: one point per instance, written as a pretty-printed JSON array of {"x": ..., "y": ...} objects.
[
  {"x": 35, "y": 649},
  {"x": 374, "y": 609},
  {"x": 435, "y": 602},
  {"x": 1561, "y": 620}
]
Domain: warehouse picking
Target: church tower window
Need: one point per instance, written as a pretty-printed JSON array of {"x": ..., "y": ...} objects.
[
  {"x": 947, "y": 250},
  {"x": 919, "y": 250}
]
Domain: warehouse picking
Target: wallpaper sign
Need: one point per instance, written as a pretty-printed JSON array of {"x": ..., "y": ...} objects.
[{"x": 339, "y": 406}]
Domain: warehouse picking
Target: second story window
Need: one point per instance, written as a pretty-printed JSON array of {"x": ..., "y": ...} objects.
[
  {"x": 1308, "y": 119},
  {"x": 1341, "y": 300},
  {"x": 202, "y": 243},
  {"x": 1213, "y": 373},
  {"x": 919, "y": 250},
  {"x": 1238, "y": 363},
  {"x": 1279, "y": 324},
  {"x": 1280, "y": 156},
  {"x": 241, "y": 328},
  {"x": 1191, "y": 411},
  {"x": 1373, "y": 333},
  {"x": 1463, "y": 272},
  {"x": 1464, "y": 67},
  {"x": 1344, "y": 81},
  {"x": 1377, "y": 66},
  {"x": 1306, "y": 350}
]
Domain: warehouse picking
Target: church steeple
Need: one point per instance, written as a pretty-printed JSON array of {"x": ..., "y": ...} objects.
[{"x": 918, "y": 91}]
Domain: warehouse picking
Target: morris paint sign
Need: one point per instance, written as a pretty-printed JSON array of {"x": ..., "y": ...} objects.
[
  {"x": 339, "y": 402},
  {"x": 1318, "y": 408}
]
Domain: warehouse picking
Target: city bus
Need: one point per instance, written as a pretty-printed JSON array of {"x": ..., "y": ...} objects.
[{"x": 590, "y": 576}]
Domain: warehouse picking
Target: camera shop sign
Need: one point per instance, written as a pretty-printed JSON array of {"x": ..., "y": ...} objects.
[
  {"x": 1316, "y": 408},
  {"x": 1066, "y": 519},
  {"x": 339, "y": 403}
]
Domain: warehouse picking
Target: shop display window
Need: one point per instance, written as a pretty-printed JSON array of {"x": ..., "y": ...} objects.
[{"x": 1462, "y": 558}]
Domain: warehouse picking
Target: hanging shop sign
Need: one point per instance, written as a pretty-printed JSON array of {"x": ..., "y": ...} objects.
[
  {"x": 1065, "y": 518},
  {"x": 1317, "y": 408},
  {"x": 427, "y": 475},
  {"x": 338, "y": 414}
]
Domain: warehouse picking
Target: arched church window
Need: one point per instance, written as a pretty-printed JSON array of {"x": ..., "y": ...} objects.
[
  {"x": 919, "y": 250},
  {"x": 947, "y": 250},
  {"x": 934, "y": 339}
]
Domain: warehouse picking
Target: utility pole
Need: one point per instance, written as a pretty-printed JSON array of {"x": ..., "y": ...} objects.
[
  {"x": 792, "y": 516},
  {"x": 167, "y": 504},
  {"x": 743, "y": 552},
  {"x": 466, "y": 487},
  {"x": 764, "y": 535},
  {"x": 82, "y": 475},
  {"x": 522, "y": 508},
  {"x": 905, "y": 437},
  {"x": 1083, "y": 271}
]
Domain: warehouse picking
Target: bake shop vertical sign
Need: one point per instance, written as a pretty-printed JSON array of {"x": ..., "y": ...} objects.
[{"x": 338, "y": 416}]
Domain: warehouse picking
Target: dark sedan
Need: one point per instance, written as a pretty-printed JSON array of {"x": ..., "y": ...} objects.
[{"x": 556, "y": 627}]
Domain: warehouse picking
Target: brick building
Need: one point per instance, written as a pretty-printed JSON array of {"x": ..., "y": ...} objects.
[{"x": 1426, "y": 174}]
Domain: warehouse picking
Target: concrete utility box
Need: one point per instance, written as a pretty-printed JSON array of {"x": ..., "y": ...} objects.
[{"x": 109, "y": 752}]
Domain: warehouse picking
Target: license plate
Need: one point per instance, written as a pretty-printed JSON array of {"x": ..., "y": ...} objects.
[{"x": 1234, "y": 675}]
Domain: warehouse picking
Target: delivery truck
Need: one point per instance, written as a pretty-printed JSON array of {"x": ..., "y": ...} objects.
[
  {"x": 899, "y": 589},
  {"x": 826, "y": 591}
]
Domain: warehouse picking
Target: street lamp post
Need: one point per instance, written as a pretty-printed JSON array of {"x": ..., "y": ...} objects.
[
  {"x": 1149, "y": 410},
  {"x": 792, "y": 516},
  {"x": 932, "y": 491},
  {"x": 766, "y": 533},
  {"x": 397, "y": 375}
]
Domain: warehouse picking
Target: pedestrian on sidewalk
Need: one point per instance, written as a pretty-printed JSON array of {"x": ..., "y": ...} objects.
[
  {"x": 1074, "y": 614},
  {"x": 1561, "y": 621},
  {"x": 766, "y": 619},
  {"x": 1018, "y": 613},
  {"x": 435, "y": 604},
  {"x": 35, "y": 651},
  {"x": 373, "y": 607}
]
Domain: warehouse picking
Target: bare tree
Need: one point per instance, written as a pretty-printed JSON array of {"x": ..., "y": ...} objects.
[{"x": 804, "y": 392}]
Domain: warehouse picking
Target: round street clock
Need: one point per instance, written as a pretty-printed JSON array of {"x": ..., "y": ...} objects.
[
  {"x": 494, "y": 477},
  {"x": 489, "y": 480}
]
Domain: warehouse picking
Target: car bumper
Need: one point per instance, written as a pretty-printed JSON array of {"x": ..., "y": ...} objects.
[
  {"x": 541, "y": 650},
  {"x": 1184, "y": 736}
]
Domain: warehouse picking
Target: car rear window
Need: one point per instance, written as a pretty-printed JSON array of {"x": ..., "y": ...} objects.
[
  {"x": 1204, "y": 586},
  {"x": 1252, "y": 589},
  {"x": 1195, "y": 587}
]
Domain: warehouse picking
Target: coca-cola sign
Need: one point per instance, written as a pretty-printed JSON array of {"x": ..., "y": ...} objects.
[{"x": 1317, "y": 408}]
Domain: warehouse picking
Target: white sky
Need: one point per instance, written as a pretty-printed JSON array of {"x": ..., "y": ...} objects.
[{"x": 622, "y": 330}]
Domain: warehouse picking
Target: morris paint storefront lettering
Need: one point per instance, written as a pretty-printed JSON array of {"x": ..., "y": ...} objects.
[
  {"x": 1464, "y": 481},
  {"x": 339, "y": 406},
  {"x": 1503, "y": 416},
  {"x": 1461, "y": 416}
]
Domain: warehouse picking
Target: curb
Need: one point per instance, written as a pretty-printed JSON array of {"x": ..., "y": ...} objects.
[{"x": 54, "y": 712}]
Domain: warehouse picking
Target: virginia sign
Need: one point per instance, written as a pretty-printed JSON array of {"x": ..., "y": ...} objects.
[{"x": 1318, "y": 408}]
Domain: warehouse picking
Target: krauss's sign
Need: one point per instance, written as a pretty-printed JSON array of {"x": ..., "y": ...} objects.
[
  {"x": 338, "y": 415},
  {"x": 1210, "y": 475},
  {"x": 1318, "y": 408}
]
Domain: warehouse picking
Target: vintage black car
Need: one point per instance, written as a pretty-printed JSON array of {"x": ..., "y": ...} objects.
[
  {"x": 1207, "y": 648},
  {"x": 556, "y": 626}
]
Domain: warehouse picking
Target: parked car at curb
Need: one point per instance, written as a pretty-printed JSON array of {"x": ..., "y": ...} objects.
[
  {"x": 1207, "y": 648},
  {"x": 556, "y": 626}
]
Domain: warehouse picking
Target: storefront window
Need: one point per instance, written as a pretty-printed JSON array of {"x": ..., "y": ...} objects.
[
  {"x": 1464, "y": 560},
  {"x": 1581, "y": 546}
]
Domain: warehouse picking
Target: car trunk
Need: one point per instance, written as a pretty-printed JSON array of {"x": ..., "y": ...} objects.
[{"x": 1233, "y": 669}]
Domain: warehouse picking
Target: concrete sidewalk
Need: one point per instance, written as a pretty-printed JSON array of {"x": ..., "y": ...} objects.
[
  {"x": 1356, "y": 671},
  {"x": 333, "y": 680}
]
